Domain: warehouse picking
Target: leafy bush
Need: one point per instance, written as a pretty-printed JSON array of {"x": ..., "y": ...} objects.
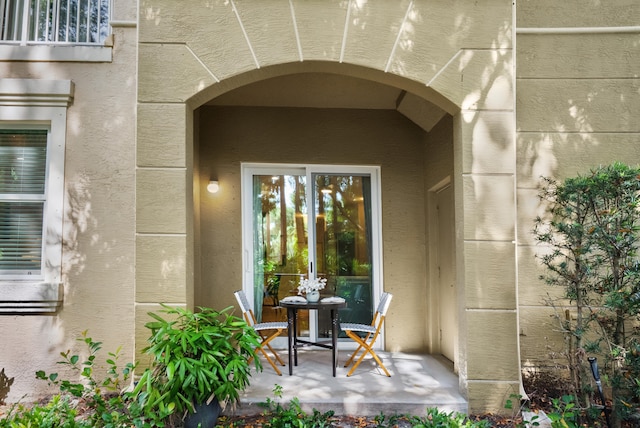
[
  {"x": 292, "y": 415},
  {"x": 564, "y": 414},
  {"x": 198, "y": 356},
  {"x": 59, "y": 412},
  {"x": 104, "y": 402},
  {"x": 438, "y": 419},
  {"x": 592, "y": 229}
]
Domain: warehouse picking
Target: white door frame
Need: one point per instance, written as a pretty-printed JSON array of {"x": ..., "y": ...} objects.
[
  {"x": 434, "y": 319},
  {"x": 249, "y": 169}
]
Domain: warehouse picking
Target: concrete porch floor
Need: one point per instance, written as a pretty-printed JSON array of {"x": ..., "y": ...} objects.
[{"x": 417, "y": 382}]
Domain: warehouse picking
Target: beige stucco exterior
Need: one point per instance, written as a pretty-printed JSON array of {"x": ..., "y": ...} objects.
[
  {"x": 485, "y": 95},
  {"x": 466, "y": 73},
  {"x": 98, "y": 234},
  {"x": 577, "y": 100}
]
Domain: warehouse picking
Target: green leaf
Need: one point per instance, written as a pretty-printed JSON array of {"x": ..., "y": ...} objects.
[{"x": 170, "y": 370}]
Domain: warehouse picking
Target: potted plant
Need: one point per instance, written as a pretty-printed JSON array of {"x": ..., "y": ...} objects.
[
  {"x": 200, "y": 359},
  {"x": 310, "y": 288}
]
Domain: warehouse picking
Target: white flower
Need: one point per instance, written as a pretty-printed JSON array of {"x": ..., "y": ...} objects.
[{"x": 307, "y": 285}]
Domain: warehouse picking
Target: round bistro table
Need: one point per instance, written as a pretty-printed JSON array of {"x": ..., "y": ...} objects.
[{"x": 295, "y": 342}]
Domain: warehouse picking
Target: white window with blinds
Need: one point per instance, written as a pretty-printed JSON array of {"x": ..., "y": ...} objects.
[
  {"x": 23, "y": 173},
  {"x": 33, "y": 132}
]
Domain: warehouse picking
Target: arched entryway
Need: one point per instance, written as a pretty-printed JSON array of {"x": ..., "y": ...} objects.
[
  {"x": 329, "y": 121},
  {"x": 471, "y": 85}
]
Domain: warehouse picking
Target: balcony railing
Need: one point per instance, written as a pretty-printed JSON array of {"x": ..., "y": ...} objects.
[{"x": 78, "y": 22}]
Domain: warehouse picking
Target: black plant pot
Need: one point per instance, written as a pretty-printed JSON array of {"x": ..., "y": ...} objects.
[{"x": 205, "y": 416}]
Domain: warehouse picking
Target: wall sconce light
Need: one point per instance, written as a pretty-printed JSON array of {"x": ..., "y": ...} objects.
[{"x": 213, "y": 186}]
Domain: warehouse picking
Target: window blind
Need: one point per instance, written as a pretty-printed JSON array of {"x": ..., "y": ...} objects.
[{"x": 23, "y": 165}]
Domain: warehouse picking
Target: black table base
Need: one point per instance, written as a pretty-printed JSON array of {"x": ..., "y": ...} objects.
[{"x": 295, "y": 342}]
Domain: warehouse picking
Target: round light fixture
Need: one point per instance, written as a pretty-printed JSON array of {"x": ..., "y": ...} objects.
[{"x": 213, "y": 186}]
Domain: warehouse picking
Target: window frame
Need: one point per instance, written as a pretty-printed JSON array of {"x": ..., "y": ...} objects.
[
  {"x": 249, "y": 169},
  {"x": 42, "y": 103},
  {"x": 31, "y": 197},
  {"x": 27, "y": 26},
  {"x": 26, "y": 50}
]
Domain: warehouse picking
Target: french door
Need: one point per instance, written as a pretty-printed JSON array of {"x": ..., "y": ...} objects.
[{"x": 311, "y": 221}]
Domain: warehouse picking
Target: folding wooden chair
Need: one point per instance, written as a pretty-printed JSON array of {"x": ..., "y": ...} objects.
[
  {"x": 267, "y": 330},
  {"x": 371, "y": 332}
]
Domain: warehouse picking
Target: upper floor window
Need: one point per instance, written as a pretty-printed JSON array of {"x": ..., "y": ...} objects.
[{"x": 54, "y": 21}]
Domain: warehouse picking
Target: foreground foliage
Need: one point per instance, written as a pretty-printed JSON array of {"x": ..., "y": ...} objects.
[
  {"x": 197, "y": 357},
  {"x": 89, "y": 402},
  {"x": 104, "y": 403},
  {"x": 592, "y": 231},
  {"x": 291, "y": 415},
  {"x": 93, "y": 402}
]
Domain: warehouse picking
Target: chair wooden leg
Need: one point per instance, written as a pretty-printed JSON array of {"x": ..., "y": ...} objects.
[
  {"x": 363, "y": 346},
  {"x": 266, "y": 341},
  {"x": 367, "y": 350},
  {"x": 266, "y": 356},
  {"x": 375, "y": 356},
  {"x": 275, "y": 355},
  {"x": 352, "y": 356},
  {"x": 358, "y": 340}
]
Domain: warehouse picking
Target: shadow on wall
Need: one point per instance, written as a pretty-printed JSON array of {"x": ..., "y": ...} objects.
[
  {"x": 77, "y": 221},
  {"x": 5, "y": 386}
]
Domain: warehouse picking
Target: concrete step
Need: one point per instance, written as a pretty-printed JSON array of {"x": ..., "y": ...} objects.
[{"x": 417, "y": 382}]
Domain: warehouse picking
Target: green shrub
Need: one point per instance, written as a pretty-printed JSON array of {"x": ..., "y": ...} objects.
[
  {"x": 439, "y": 419},
  {"x": 57, "y": 413},
  {"x": 197, "y": 356},
  {"x": 292, "y": 415},
  {"x": 564, "y": 414},
  {"x": 104, "y": 403},
  {"x": 592, "y": 229}
]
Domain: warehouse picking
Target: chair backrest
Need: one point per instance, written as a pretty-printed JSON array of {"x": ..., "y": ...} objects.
[
  {"x": 243, "y": 302},
  {"x": 385, "y": 301},
  {"x": 380, "y": 315}
]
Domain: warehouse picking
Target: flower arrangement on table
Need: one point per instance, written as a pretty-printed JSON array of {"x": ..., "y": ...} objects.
[{"x": 309, "y": 285}]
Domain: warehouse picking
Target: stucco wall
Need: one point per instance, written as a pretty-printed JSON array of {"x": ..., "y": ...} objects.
[
  {"x": 578, "y": 97},
  {"x": 98, "y": 230},
  {"x": 322, "y": 136}
]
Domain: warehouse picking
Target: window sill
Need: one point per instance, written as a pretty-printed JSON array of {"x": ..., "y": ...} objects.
[
  {"x": 25, "y": 298},
  {"x": 56, "y": 53}
]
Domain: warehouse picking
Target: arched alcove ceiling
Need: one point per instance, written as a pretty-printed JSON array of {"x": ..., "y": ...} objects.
[
  {"x": 323, "y": 90},
  {"x": 329, "y": 85}
]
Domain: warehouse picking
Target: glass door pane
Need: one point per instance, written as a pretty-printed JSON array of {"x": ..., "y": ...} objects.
[
  {"x": 343, "y": 242},
  {"x": 337, "y": 209},
  {"x": 280, "y": 256}
]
